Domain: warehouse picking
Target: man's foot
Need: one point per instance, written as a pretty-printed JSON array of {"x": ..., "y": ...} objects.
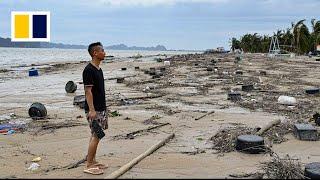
[
  {"x": 93, "y": 170},
  {"x": 100, "y": 166}
]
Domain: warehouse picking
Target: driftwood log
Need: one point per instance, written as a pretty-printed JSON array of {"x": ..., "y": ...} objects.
[{"x": 268, "y": 126}]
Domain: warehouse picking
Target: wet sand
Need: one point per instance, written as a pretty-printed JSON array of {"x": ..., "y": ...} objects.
[{"x": 181, "y": 102}]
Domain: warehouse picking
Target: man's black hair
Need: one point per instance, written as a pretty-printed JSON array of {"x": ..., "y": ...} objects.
[{"x": 92, "y": 46}]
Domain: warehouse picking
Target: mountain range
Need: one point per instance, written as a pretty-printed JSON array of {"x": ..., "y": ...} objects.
[{"x": 6, "y": 42}]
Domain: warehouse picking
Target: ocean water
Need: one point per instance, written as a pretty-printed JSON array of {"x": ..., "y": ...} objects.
[{"x": 15, "y": 57}]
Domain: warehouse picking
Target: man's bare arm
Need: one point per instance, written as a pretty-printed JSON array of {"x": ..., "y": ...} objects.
[{"x": 89, "y": 98}]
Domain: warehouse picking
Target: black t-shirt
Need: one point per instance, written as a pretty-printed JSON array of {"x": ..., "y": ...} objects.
[{"x": 93, "y": 77}]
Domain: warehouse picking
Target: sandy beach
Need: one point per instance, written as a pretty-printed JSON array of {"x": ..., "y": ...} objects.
[{"x": 184, "y": 92}]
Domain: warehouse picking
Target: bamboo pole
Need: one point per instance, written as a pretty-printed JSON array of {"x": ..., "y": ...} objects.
[{"x": 136, "y": 160}]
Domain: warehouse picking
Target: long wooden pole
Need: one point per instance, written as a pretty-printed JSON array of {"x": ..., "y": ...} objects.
[
  {"x": 268, "y": 126},
  {"x": 204, "y": 115},
  {"x": 136, "y": 160}
]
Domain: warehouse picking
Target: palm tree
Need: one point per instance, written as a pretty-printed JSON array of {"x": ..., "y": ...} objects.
[
  {"x": 315, "y": 35},
  {"x": 235, "y": 44},
  {"x": 301, "y": 37}
]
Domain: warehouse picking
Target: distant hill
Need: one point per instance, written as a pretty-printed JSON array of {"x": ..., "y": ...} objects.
[
  {"x": 124, "y": 47},
  {"x": 6, "y": 42}
]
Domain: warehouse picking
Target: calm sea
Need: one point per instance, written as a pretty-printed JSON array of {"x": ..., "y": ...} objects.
[{"x": 13, "y": 57}]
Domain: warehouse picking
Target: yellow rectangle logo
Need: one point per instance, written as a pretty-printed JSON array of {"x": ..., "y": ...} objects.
[{"x": 21, "y": 26}]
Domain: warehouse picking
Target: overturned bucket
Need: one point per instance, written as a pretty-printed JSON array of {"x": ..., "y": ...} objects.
[
  {"x": 312, "y": 91},
  {"x": 250, "y": 144},
  {"x": 71, "y": 87},
  {"x": 37, "y": 111},
  {"x": 238, "y": 72},
  {"x": 209, "y": 69},
  {"x": 120, "y": 80},
  {"x": 248, "y": 87},
  {"x": 33, "y": 72},
  {"x": 263, "y": 73},
  {"x": 234, "y": 96}
]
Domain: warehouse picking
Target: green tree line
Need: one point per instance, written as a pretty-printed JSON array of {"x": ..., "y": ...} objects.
[{"x": 298, "y": 39}]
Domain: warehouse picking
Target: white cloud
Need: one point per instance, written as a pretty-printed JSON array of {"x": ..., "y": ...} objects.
[{"x": 119, "y": 3}]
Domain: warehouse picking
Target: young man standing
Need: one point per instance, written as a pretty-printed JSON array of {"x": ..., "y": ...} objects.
[{"x": 95, "y": 104}]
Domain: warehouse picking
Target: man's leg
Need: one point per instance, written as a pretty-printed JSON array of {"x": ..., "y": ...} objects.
[{"x": 93, "y": 145}]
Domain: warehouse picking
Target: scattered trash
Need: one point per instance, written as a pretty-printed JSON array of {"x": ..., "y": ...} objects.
[
  {"x": 12, "y": 115},
  {"x": 312, "y": 170},
  {"x": 146, "y": 89},
  {"x": 5, "y": 117},
  {"x": 33, "y": 166},
  {"x": 156, "y": 76},
  {"x": 247, "y": 87},
  {"x": 120, "y": 80},
  {"x": 33, "y": 72},
  {"x": 71, "y": 87},
  {"x": 239, "y": 72},
  {"x": 115, "y": 114},
  {"x": 263, "y": 73},
  {"x": 225, "y": 140},
  {"x": 287, "y": 100},
  {"x": 312, "y": 91},
  {"x": 37, "y": 159},
  {"x": 128, "y": 101},
  {"x": 316, "y": 118},
  {"x": 250, "y": 144},
  {"x": 282, "y": 168},
  {"x": 305, "y": 132},
  {"x": 5, "y": 126},
  {"x": 234, "y": 96},
  {"x": 158, "y": 59},
  {"x": 37, "y": 111},
  {"x": 79, "y": 101},
  {"x": 166, "y": 63},
  {"x": 11, "y": 132}
]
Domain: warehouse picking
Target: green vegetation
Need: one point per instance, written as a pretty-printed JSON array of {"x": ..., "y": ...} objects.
[{"x": 298, "y": 39}]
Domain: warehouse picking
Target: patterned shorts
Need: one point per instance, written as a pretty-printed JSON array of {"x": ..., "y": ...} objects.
[{"x": 102, "y": 119}]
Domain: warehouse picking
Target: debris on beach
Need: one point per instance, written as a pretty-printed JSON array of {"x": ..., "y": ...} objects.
[
  {"x": 34, "y": 166},
  {"x": 225, "y": 140},
  {"x": 114, "y": 114},
  {"x": 37, "y": 111},
  {"x": 282, "y": 168},
  {"x": 276, "y": 134},
  {"x": 37, "y": 159},
  {"x": 71, "y": 87},
  {"x": 152, "y": 120},
  {"x": 37, "y": 128}
]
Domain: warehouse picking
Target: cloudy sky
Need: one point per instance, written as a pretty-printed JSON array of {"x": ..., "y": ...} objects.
[{"x": 176, "y": 24}]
